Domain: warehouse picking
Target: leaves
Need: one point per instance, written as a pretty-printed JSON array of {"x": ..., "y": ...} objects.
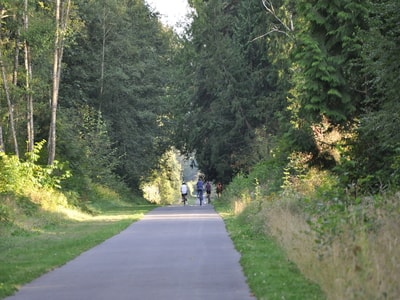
[
  {"x": 229, "y": 74},
  {"x": 121, "y": 66}
]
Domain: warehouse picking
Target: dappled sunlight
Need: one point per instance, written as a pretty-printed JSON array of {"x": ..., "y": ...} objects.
[
  {"x": 225, "y": 215},
  {"x": 79, "y": 216},
  {"x": 112, "y": 218},
  {"x": 73, "y": 214}
]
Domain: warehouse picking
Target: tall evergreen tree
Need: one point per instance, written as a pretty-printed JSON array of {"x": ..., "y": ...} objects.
[
  {"x": 230, "y": 94},
  {"x": 327, "y": 89},
  {"x": 325, "y": 47},
  {"x": 375, "y": 155}
]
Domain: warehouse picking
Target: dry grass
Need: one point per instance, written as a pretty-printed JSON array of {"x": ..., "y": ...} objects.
[{"x": 358, "y": 264}]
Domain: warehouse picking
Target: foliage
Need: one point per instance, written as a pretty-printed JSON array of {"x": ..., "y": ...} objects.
[
  {"x": 119, "y": 67},
  {"x": 87, "y": 148},
  {"x": 106, "y": 60},
  {"x": 163, "y": 186},
  {"x": 331, "y": 234},
  {"x": 305, "y": 81},
  {"x": 17, "y": 176},
  {"x": 5, "y": 215},
  {"x": 325, "y": 46},
  {"x": 228, "y": 82},
  {"x": 250, "y": 79},
  {"x": 372, "y": 163},
  {"x": 295, "y": 103}
]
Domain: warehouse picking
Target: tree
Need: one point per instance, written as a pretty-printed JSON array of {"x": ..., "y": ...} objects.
[
  {"x": 229, "y": 83},
  {"x": 375, "y": 155},
  {"x": 120, "y": 66},
  {"x": 62, "y": 9},
  {"x": 33, "y": 39},
  {"x": 7, "y": 91},
  {"x": 327, "y": 83},
  {"x": 28, "y": 81},
  {"x": 325, "y": 46}
]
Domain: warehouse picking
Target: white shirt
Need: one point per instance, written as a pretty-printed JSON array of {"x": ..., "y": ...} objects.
[{"x": 184, "y": 189}]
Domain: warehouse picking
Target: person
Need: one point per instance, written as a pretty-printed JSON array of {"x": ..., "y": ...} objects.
[
  {"x": 184, "y": 191},
  {"x": 199, "y": 186},
  {"x": 219, "y": 189},
  {"x": 208, "y": 191}
]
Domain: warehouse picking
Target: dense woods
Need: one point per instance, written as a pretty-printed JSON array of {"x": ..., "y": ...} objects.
[
  {"x": 284, "y": 77},
  {"x": 101, "y": 92},
  {"x": 247, "y": 80}
]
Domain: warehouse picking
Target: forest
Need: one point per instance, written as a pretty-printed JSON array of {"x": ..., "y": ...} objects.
[{"x": 292, "y": 104}]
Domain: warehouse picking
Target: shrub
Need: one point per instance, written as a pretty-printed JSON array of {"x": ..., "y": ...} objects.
[
  {"x": 21, "y": 176},
  {"x": 163, "y": 185}
]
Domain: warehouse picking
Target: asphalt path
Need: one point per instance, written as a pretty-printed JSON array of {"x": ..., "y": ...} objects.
[{"x": 173, "y": 253}]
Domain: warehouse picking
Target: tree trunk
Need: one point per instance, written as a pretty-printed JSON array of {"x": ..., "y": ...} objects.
[
  {"x": 103, "y": 54},
  {"x": 7, "y": 92},
  {"x": 28, "y": 80},
  {"x": 62, "y": 13}
]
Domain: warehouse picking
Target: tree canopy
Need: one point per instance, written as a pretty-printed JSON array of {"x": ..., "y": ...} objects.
[{"x": 246, "y": 82}]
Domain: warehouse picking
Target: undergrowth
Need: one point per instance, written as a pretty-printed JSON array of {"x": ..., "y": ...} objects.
[{"x": 347, "y": 244}]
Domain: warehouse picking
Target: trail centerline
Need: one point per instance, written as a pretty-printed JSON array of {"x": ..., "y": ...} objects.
[{"x": 173, "y": 253}]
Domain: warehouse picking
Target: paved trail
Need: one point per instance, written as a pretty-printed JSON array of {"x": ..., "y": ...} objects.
[{"x": 173, "y": 253}]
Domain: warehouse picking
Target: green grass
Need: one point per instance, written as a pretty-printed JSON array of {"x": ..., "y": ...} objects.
[
  {"x": 27, "y": 254},
  {"x": 51, "y": 240},
  {"x": 269, "y": 273}
]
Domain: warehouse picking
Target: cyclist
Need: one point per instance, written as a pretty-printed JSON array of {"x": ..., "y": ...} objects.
[
  {"x": 184, "y": 191},
  {"x": 199, "y": 186}
]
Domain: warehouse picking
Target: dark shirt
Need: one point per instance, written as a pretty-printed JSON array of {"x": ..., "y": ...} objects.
[{"x": 199, "y": 185}]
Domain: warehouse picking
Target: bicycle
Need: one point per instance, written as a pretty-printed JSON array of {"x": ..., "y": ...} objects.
[
  {"x": 208, "y": 197},
  {"x": 184, "y": 199}
]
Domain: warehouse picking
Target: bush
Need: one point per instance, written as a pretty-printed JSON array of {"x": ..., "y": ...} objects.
[
  {"x": 18, "y": 177},
  {"x": 346, "y": 243},
  {"x": 163, "y": 185}
]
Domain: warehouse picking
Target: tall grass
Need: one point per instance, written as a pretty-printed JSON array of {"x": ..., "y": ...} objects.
[
  {"x": 350, "y": 247},
  {"x": 358, "y": 262}
]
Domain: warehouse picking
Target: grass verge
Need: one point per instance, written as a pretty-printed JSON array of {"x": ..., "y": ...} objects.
[
  {"x": 269, "y": 273},
  {"x": 27, "y": 253}
]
